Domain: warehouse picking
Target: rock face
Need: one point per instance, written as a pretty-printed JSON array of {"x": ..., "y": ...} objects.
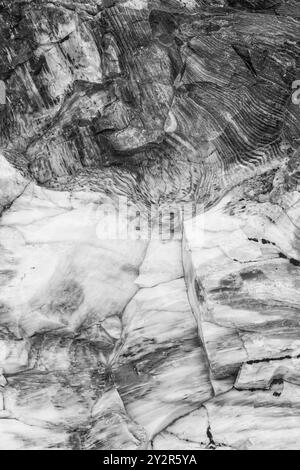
[{"x": 150, "y": 224}]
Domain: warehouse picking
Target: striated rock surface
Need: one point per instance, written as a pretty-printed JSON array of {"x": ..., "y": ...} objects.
[{"x": 149, "y": 224}]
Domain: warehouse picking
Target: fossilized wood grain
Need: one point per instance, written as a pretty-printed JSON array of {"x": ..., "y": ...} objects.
[{"x": 194, "y": 96}]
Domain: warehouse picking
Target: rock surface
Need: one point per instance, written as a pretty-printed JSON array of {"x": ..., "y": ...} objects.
[{"x": 149, "y": 224}]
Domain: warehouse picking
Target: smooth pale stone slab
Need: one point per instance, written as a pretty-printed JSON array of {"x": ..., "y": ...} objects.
[
  {"x": 64, "y": 284},
  {"x": 282, "y": 228},
  {"x": 15, "y": 435},
  {"x": 111, "y": 428},
  {"x": 248, "y": 420},
  {"x": 224, "y": 348},
  {"x": 12, "y": 183},
  {"x": 173, "y": 387},
  {"x": 163, "y": 263},
  {"x": 167, "y": 441},
  {"x": 279, "y": 342},
  {"x": 244, "y": 292},
  {"x": 157, "y": 317},
  {"x": 162, "y": 372},
  {"x": 187, "y": 433},
  {"x": 261, "y": 375},
  {"x": 66, "y": 272},
  {"x": 14, "y": 355}
]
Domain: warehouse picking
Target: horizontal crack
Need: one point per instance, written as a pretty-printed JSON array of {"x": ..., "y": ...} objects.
[{"x": 258, "y": 361}]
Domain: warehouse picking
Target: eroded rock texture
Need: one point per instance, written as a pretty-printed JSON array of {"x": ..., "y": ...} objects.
[{"x": 119, "y": 328}]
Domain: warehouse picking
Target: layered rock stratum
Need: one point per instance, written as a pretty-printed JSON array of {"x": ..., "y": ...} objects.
[{"x": 150, "y": 224}]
